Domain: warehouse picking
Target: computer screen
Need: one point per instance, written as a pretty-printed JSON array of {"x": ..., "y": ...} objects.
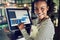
[{"x": 16, "y": 16}]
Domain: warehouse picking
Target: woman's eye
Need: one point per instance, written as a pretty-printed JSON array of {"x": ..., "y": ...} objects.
[{"x": 42, "y": 8}]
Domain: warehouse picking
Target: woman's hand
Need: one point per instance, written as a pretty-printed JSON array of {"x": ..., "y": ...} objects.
[{"x": 21, "y": 26}]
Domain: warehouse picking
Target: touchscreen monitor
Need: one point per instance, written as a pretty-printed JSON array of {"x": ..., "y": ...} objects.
[{"x": 16, "y": 16}]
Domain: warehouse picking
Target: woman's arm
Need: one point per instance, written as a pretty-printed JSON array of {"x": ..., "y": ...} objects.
[{"x": 24, "y": 32}]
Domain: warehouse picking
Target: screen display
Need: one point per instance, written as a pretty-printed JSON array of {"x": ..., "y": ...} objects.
[{"x": 18, "y": 16}]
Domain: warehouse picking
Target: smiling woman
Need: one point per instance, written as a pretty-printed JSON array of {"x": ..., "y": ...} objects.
[{"x": 44, "y": 28}]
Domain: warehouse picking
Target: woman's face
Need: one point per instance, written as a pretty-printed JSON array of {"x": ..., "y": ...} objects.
[{"x": 40, "y": 9}]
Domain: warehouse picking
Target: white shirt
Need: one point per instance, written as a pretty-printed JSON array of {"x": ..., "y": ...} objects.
[{"x": 43, "y": 31}]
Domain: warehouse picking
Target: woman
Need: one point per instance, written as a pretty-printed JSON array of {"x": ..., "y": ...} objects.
[{"x": 45, "y": 29}]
